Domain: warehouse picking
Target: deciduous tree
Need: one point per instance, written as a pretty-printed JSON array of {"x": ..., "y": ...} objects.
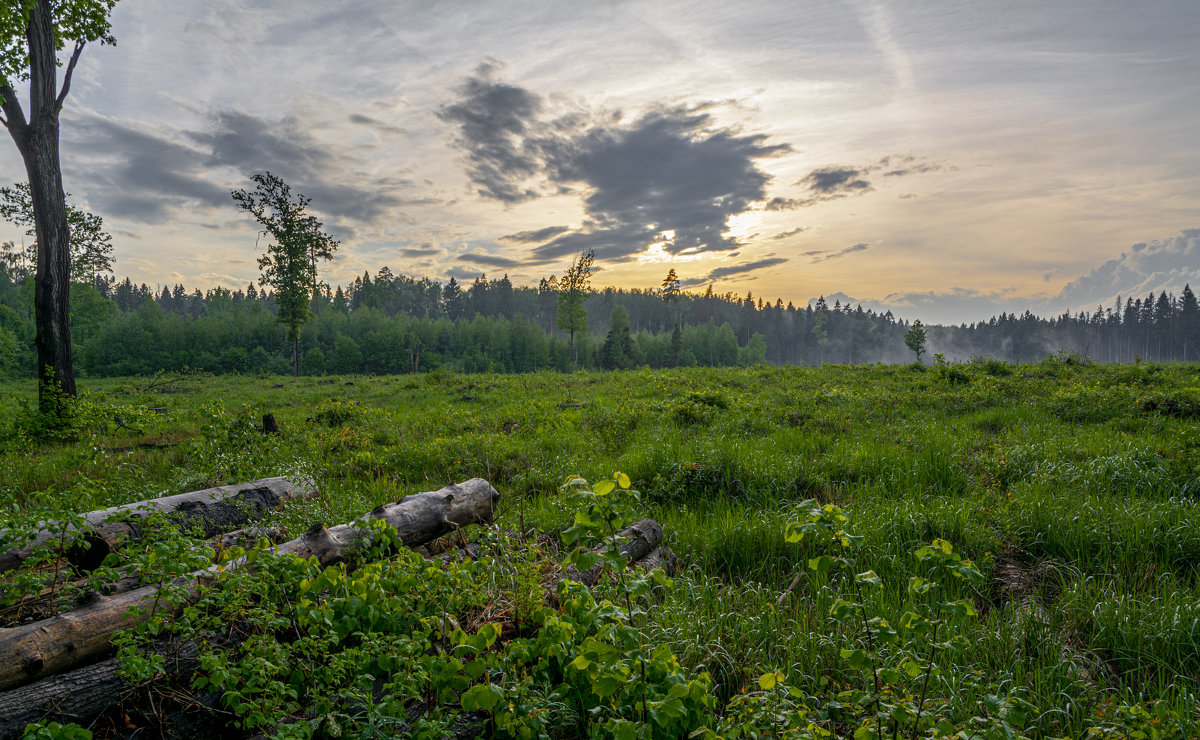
[
  {"x": 293, "y": 237},
  {"x": 572, "y": 291},
  {"x": 90, "y": 245},
  {"x": 32, "y": 34}
]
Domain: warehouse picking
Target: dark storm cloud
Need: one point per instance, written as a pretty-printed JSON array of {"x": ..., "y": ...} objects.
[
  {"x": 490, "y": 260},
  {"x": 494, "y": 120},
  {"x": 536, "y": 236},
  {"x": 286, "y": 148},
  {"x": 673, "y": 175},
  {"x": 129, "y": 173}
]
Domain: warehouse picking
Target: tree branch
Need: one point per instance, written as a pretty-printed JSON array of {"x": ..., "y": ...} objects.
[
  {"x": 66, "y": 86},
  {"x": 15, "y": 116}
]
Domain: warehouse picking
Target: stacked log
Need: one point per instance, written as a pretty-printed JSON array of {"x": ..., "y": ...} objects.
[
  {"x": 58, "y": 668},
  {"x": 30, "y": 652}
]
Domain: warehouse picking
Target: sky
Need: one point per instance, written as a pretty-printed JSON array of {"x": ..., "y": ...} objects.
[{"x": 947, "y": 160}]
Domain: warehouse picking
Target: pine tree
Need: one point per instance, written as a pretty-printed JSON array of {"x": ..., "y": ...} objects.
[{"x": 617, "y": 353}]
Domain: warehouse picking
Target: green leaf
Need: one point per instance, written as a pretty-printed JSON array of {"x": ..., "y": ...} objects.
[
  {"x": 490, "y": 633},
  {"x": 482, "y": 696},
  {"x": 767, "y": 681},
  {"x": 623, "y": 480},
  {"x": 606, "y": 685},
  {"x": 821, "y": 564},
  {"x": 604, "y": 487},
  {"x": 869, "y": 578},
  {"x": 584, "y": 559},
  {"x": 856, "y": 658}
]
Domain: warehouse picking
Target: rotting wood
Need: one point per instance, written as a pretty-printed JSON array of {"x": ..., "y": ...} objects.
[
  {"x": 213, "y": 510},
  {"x": 33, "y": 651}
]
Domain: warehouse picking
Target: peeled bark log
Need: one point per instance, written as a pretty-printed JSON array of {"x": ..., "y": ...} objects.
[
  {"x": 33, "y": 651},
  {"x": 213, "y": 510}
]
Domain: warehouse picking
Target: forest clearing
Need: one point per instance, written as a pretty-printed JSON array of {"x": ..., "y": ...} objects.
[{"x": 967, "y": 550}]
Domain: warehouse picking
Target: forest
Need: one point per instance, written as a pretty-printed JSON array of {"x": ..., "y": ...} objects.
[{"x": 392, "y": 323}]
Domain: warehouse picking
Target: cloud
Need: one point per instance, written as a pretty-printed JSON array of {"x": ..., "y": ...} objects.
[
  {"x": 830, "y": 181},
  {"x": 1155, "y": 266},
  {"x": 491, "y": 260},
  {"x": 824, "y": 255},
  {"x": 671, "y": 176},
  {"x": 494, "y": 120},
  {"x": 841, "y": 253},
  {"x": 790, "y": 232},
  {"x": 535, "y": 236},
  {"x": 127, "y": 172},
  {"x": 374, "y": 123},
  {"x": 834, "y": 182},
  {"x": 286, "y": 147},
  {"x": 785, "y": 204},
  {"x": 1148, "y": 267},
  {"x": 731, "y": 270},
  {"x": 425, "y": 250}
]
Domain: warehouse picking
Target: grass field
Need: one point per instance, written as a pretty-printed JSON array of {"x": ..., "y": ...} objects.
[{"x": 1073, "y": 489}]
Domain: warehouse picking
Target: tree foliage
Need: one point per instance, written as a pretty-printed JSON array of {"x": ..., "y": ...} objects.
[
  {"x": 572, "y": 290},
  {"x": 914, "y": 338},
  {"x": 90, "y": 245},
  {"x": 295, "y": 241},
  {"x": 32, "y": 34},
  {"x": 618, "y": 351}
]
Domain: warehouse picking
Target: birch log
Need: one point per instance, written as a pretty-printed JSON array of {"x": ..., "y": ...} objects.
[
  {"x": 213, "y": 510},
  {"x": 33, "y": 651}
]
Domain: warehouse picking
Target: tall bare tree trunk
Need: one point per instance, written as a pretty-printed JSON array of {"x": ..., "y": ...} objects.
[
  {"x": 37, "y": 141},
  {"x": 296, "y": 358}
]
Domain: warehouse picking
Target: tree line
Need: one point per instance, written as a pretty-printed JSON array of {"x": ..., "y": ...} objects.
[{"x": 393, "y": 323}]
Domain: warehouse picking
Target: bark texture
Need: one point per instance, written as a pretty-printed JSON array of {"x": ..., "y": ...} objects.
[
  {"x": 81, "y": 694},
  {"x": 212, "y": 511},
  {"x": 33, "y": 651},
  {"x": 634, "y": 542},
  {"x": 37, "y": 142}
]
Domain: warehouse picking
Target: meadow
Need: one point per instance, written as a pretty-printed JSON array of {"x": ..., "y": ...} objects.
[{"x": 1049, "y": 514}]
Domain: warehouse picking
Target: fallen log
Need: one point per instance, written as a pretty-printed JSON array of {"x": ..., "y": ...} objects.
[
  {"x": 635, "y": 542},
  {"x": 81, "y": 694},
  {"x": 212, "y": 510},
  {"x": 660, "y": 557},
  {"x": 33, "y": 651}
]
